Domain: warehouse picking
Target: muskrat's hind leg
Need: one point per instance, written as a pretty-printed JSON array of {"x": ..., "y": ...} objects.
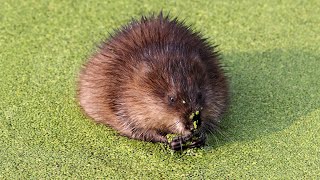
[
  {"x": 150, "y": 135},
  {"x": 154, "y": 136}
]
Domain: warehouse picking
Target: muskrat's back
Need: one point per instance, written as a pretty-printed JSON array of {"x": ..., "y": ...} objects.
[{"x": 148, "y": 78}]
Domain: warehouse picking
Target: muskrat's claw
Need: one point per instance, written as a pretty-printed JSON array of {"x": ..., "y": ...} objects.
[
  {"x": 199, "y": 141},
  {"x": 194, "y": 140},
  {"x": 179, "y": 142}
]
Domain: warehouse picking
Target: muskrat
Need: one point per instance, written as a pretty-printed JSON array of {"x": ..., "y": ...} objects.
[{"x": 149, "y": 77}]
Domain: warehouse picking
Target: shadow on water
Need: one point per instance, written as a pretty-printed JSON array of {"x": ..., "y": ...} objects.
[{"x": 269, "y": 91}]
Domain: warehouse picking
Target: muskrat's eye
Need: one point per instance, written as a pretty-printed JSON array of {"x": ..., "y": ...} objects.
[{"x": 171, "y": 99}]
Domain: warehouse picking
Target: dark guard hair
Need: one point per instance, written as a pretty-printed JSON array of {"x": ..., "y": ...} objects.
[{"x": 149, "y": 77}]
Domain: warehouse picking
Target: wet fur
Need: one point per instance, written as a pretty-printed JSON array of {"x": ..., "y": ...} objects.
[{"x": 127, "y": 82}]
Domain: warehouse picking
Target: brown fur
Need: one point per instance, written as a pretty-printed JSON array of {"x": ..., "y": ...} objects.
[{"x": 129, "y": 82}]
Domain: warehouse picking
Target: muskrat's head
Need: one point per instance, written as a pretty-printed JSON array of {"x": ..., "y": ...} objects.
[{"x": 173, "y": 93}]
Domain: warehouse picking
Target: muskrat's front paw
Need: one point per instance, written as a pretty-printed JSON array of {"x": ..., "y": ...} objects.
[
  {"x": 175, "y": 145},
  {"x": 179, "y": 142},
  {"x": 198, "y": 141},
  {"x": 190, "y": 141}
]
